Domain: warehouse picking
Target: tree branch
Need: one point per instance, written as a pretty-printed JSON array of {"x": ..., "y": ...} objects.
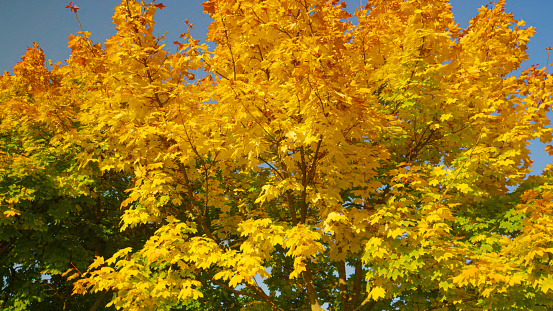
[{"x": 343, "y": 284}]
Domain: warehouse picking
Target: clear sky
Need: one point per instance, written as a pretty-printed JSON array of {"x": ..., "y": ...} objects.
[{"x": 49, "y": 23}]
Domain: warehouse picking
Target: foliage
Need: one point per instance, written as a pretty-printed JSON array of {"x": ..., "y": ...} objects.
[{"x": 355, "y": 166}]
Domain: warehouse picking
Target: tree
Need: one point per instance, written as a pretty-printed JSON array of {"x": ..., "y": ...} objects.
[{"x": 355, "y": 166}]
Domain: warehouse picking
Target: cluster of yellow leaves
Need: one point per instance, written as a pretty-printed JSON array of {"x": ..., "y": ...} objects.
[{"x": 161, "y": 259}]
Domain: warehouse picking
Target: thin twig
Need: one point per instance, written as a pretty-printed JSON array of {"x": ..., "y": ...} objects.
[{"x": 547, "y": 65}]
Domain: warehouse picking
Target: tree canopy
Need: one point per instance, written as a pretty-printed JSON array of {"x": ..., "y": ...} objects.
[{"x": 350, "y": 162}]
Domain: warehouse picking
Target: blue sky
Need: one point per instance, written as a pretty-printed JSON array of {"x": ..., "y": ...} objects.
[{"x": 49, "y": 23}]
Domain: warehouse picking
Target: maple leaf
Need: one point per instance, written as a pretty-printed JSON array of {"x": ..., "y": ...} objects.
[
  {"x": 73, "y": 8},
  {"x": 377, "y": 292},
  {"x": 159, "y": 6},
  {"x": 209, "y": 6}
]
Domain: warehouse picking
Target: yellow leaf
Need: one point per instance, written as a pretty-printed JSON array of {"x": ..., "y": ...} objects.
[
  {"x": 377, "y": 292},
  {"x": 445, "y": 116},
  {"x": 464, "y": 188},
  {"x": 11, "y": 212},
  {"x": 547, "y": 284},
  {"x": 98, "y": 261}
]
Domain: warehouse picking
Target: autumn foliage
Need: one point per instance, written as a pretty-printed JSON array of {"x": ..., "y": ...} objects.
[{"x": 350, "y": 162}]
